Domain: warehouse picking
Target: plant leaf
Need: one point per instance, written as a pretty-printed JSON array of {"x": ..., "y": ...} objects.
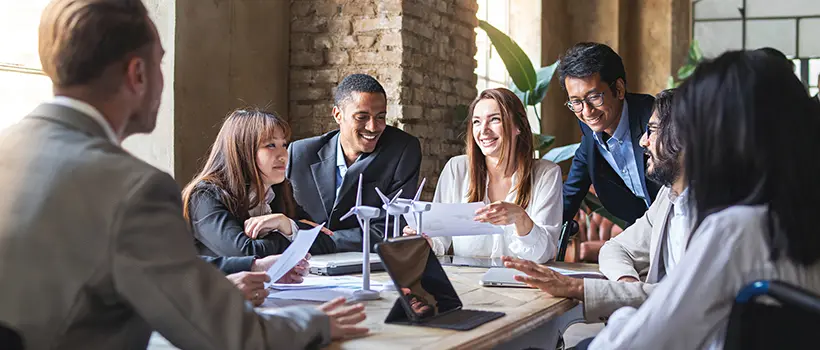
[
  {"x": 560, "y": 154},
  {"x": 695, "y": 54},
  {"x": 542, "y": 142},
  {"x": 544, "y": 77},
  {"x": 685, "y": 71},
  {"x": 670, "y": 82},
  {"x": 518, "y": 64}
]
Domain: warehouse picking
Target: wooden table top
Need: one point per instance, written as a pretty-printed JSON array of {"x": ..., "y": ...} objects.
[{"x": 525, "y": 309}]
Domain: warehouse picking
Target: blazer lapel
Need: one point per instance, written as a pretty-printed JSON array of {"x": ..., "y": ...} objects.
[
  {"x": 656, "y": 247},
  {"x": 324, "y": 173}
]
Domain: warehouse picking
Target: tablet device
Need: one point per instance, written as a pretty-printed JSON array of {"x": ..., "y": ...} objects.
[{"x": 426, "y": 295}]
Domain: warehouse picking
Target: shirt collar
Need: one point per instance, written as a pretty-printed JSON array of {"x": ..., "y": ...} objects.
[
  {"x": 90, "y": 111},
  {"x": 622, "y": 131},
  {"x": 680, "y": 201},
  {"x": 340, "y": 156},
  {"x": 263, "y": 207}
]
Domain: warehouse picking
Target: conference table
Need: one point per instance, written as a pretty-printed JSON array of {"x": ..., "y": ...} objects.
[{"x": 533, "y": 319}]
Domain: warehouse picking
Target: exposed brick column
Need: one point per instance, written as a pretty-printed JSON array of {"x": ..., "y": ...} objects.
[{"x": 422, "y": 51}]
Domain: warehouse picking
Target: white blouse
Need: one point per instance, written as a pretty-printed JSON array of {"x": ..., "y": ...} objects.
[
  {"x": 690, "y": 308},
  {"x": 545, "y": 210}
]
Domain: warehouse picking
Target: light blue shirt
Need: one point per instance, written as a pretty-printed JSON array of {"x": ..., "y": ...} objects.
[
  {"x": 619, "y": 154},
  {"x": 341, "y": 166}
]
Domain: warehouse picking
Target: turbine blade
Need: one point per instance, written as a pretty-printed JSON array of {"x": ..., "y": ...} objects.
[
  {"x": 384, "y": 198},
  {"x": 348, "y": 214},
  {"x": 418, "y": 192},
  {"x": 396, "y": 196}
]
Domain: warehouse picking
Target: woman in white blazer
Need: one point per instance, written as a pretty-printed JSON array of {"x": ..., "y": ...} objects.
[{"x": 522, "y": 194}]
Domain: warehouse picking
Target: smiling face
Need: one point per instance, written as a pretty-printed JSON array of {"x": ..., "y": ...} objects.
[
  {"x": 271, "y": 158},
  {"x": 603, "y": 118},
  {"x": 488, "y": 129},
  {"x": 361, "y": 119},
  {"x": 661, "y": 169}
]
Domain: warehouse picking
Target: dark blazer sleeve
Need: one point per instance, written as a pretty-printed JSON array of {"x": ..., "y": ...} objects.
[
  {"x": 221, "y": 232},
  {"x": 229, "y": 264},
  {"x": 577, "y": 184},
  {"x": 405, "y": 178}
]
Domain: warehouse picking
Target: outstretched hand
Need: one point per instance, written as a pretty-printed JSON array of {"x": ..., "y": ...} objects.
[
  {"x": 545, "y": 279},
  {"x": 344, "y": 320}
]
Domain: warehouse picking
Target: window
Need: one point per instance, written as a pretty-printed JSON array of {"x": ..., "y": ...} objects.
[
  {"x": 790, "y": 27},
  {"x": 490, "y": 69},
  {"x": 22, "y": 82}
]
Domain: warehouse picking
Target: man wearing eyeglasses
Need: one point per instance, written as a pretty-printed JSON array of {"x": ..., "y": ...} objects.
[{"x": 612, "y": 120}]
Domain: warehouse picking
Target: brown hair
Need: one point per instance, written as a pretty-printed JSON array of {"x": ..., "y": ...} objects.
[
  {"x": 79, "y": 39},
  {"x": 232, "y": 168},
  {"x": 513, "y": 116}
]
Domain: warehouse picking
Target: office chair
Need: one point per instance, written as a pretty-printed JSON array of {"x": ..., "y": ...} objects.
[
  {"x": 569, "y": 229},
  {"x": 9, "y": 339},
  {"x": 790, "y": 322}
]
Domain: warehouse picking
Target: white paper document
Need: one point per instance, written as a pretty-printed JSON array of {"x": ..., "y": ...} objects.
[
  {"x": 321, "y": 288},
  {"x": 319, "y": 282},
  {"x": 453, "y": 219},
  {"x": 295, "y": 252}
]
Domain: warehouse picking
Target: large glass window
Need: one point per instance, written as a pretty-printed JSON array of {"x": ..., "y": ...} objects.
[
  {"x": 490, "y": 69},
  {"x": 791, "y": 27},
  {"x": 22, "y": 82}
]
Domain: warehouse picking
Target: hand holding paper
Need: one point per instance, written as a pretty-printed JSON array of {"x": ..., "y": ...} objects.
[
  {"x": 295, "y": 253},
  {"x": 454, "y": 219}
]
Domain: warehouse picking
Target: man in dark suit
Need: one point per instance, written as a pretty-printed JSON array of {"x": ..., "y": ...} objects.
[
  {"x": 324, "y": 170},
  {"x": 612, "y": 121}
]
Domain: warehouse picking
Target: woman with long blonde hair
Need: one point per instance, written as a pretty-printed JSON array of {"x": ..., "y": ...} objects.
[
  {"x": 241, "y": 204},
  {"x": 522, "y": 194}
]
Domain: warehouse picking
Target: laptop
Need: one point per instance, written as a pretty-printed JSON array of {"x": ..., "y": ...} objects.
[
  {"x": 454, "y": 260},
  {"x": 426, "y": 296},
  {"x": 505, "y": 277},
  {"x": 342, "y": 263}
]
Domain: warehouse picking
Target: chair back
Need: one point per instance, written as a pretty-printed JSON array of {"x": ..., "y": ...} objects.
[
  {"x": 10, "y": 339},
  {"x": 773, "y": 315},
  {"x": 569, "y": 229}
]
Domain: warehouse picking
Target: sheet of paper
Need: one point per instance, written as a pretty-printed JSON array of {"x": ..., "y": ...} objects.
[
  {"x": 453, "y": 219},
  {"x": 320, "y": 295},
  {"x": 319, "y": 282},
  {"x": 295, "y": 252}
]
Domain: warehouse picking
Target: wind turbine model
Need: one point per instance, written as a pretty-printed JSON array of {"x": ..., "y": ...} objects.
[
  {"x": 417, "y": 207},
  {"x": 364, "y": 214},
  {"x": 392, "y": 207}
]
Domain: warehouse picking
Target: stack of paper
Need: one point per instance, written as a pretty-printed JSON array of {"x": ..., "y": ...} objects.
[{"x": 321, "y": 288}]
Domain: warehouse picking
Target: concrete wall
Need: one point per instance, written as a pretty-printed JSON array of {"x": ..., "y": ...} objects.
[{"x": 229, "y": 54}]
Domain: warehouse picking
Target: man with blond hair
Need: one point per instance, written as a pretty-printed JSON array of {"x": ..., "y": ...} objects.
[{"x": 94, "y": 252}]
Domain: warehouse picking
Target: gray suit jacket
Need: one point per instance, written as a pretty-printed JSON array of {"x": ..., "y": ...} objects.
[
  {"x": 94, "y": 252},
  {"x": 635, "y": 253},
  {"x": 392, "y": 166}
]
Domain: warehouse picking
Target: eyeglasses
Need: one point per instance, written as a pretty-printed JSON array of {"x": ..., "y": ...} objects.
[
  {"x": 650, "y": 129},
  {"x": 594, "y": 100}
]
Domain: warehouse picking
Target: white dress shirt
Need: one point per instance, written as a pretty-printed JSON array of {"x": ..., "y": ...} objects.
[
  {"x": 679, "y": 228},
  {"x": 90, "y": 111},
  {"x": 545, "y": 210},
  {"x": 690, "y": 308}
]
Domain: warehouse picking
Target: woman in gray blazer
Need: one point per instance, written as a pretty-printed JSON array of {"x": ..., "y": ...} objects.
[{"x": 241, "y": 204}]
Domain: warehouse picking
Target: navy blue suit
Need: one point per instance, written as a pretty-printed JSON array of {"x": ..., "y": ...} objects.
[{"x": 590, "y": 167}]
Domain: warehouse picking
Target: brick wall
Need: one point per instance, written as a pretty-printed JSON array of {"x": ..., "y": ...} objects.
[{"x": 422, "y": 51}]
